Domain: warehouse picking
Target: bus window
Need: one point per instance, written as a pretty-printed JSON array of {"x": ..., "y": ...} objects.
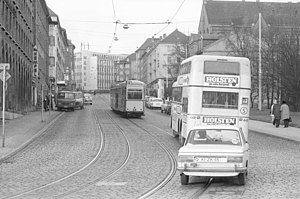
[
  {"x": 135, "y": 94},
  {"x": 221, "y": 68},
  {"x": 220, "y": 100},
  {"x": 177, "y": 94}
]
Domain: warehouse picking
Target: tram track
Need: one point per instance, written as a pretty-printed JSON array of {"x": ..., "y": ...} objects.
[
  {"x": 173, "y": 161},
  {"x": 111, "y": 173},
  {"x": 70, "y": 175}
]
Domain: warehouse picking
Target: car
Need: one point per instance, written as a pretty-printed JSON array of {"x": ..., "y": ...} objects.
[
  {"x": 214, "y": 151},
  {"x": 155, "y": 102},
  {"x": 79, "y": 99},
  {"x": 147, "y": 98},
  {"x": 88, "y": 98},
  {"x": 166, "y": 107}
]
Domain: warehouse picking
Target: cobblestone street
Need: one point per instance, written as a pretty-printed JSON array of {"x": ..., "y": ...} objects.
[{"x": 128, "y": 169}]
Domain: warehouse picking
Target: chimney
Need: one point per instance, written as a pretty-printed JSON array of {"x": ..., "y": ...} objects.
[{"x": 164, "y": 35}]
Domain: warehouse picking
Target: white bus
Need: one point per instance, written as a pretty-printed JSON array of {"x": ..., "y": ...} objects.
[{"x": 211, "y": 90}]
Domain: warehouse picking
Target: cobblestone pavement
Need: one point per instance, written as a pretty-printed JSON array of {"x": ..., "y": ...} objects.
[
  {"x": 63, "y": 148},
  {"x": 74, "y": 140},
  {"x": 273, "y": 170}
]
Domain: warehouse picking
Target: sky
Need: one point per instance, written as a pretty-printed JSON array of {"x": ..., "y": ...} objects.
[{"x": 92, "y": 23}]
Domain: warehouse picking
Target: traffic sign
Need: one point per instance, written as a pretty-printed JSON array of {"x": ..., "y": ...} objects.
[
  {"x": 7, "y": 75},
  {"x": 4, "y": 66}
]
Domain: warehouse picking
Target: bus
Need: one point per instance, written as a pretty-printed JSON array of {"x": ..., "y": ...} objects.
[
  {"x": 211, "y": 90},
  {"x": 128, "y": 98}
]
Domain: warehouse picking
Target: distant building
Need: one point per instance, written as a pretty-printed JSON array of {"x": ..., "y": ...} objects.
[
  {"x": 70, "y": 66},
  {"x": 95, "y": 71},
  {"x": 57, "y": 48},
  {"x": 158, "y": 61}
]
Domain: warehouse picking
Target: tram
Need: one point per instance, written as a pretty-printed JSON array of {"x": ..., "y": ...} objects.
[{"x": 128, "y": 98}]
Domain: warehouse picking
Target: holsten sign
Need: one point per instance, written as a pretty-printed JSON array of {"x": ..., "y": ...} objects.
[
  {"x": 221, "y": 81},
  {"x": 219, "y": 120}
]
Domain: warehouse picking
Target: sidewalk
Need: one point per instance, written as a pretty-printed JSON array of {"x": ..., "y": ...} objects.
[
  {"x": 21, "y": 131},
  {"x": 290, "y": 133}
]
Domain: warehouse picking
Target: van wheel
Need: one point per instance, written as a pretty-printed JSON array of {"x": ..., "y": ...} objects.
[{"x": 184, "y": 179}]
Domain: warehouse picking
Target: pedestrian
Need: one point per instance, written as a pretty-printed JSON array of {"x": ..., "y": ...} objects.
[
  {"x": 275, "y": 110},
  {"x": 285, "y": 113}
]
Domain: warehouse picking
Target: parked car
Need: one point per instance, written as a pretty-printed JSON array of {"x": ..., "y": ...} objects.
[
  {"x": 79, "y": 99},
  {"x": 155, "y": 102},
  {"x": 147, "y": 98},
  {"x": 166, "y": 107},
  {"x": 88, "y": 98},
  {"x": 214, "y": 151}
]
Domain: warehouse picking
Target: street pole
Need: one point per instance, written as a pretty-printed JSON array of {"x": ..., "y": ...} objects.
[
  {"x": 42, "y": 120},
  {"x": 3, "y": 109},
  {"x": 259, "y": 64}
]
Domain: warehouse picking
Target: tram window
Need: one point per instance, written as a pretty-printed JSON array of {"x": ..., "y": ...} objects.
[
  {"x": 220, "y": 100},
  {"x": 221, "y": 68},
  {"x": 135, "y": 94}
]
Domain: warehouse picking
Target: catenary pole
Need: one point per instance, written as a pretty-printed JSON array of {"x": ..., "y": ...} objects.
[
  {"x": 259, "y": 65},
  {"x": 3, "y": 109}
]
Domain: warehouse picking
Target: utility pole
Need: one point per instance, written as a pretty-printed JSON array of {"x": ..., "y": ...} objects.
[{"x": 259, "y": 64}]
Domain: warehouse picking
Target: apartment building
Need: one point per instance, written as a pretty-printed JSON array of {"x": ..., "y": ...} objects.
[{"x": 95, "y": 71}]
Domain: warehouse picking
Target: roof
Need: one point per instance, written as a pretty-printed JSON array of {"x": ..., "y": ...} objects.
[
  {"x": 175, "y": 37},
  {"x": 244, "y": 12},
  {"x": 148, "y": 43}
]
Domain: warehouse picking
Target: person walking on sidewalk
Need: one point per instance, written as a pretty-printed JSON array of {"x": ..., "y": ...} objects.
[
  {"x": 285, "y": 113},
  {"x": 275, "y": 110}
]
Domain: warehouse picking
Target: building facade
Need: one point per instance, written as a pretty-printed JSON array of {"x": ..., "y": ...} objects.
[
  {"x": 96, "y": 71},
  {"x": 70, "y": 66},
  {"x": 57, "y": 50},
  {"x": 158, "y": 62},
  {"x": 40, "y": 74},
  {"x": 16, "y": 48}
]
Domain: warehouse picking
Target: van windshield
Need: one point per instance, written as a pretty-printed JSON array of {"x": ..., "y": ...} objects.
[{"x": 65, "y": 96}]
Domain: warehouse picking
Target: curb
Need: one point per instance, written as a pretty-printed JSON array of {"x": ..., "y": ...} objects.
[
  {"x": 275, "y": 136},
  {"x": 38, "y": 134}
]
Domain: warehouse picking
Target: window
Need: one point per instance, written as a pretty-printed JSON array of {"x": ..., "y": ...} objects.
[
  {"x": 214, "y": 136},
  {"x": 66, "y": 96},
  {"x": 221, "y": 68},
  {"x": 177, "y": 93},
  {"x": 220, "y": 100},
  {"x": 185, "y": 104},
  {"x": 185, "y": 68},
  {"x": 52, "y": 41},
  {"x": 135, "y": 94}
]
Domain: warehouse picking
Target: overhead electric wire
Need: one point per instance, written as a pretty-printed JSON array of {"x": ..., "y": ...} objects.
[
  {"x": 115, "y": 32},
  {"x": 171, "y": 18}
]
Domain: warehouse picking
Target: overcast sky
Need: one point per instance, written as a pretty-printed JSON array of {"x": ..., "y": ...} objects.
[{"x": 92, "y": 21}]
